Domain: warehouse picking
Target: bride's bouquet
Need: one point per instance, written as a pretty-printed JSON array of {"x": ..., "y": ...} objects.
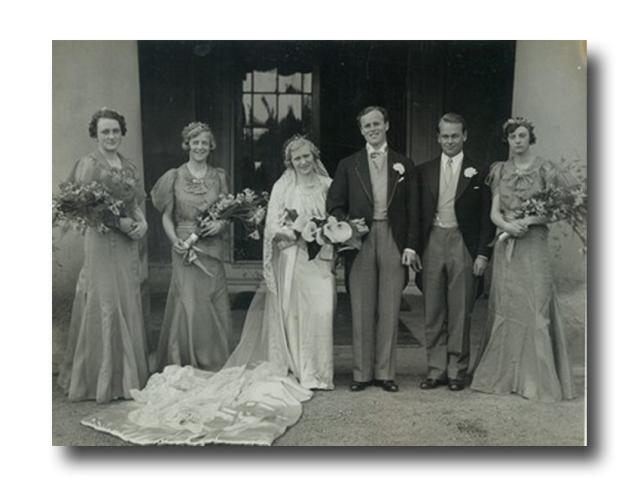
[
  {"x": 565, "y": 202},
  {"x": 317, "y": 232},
  {"x": 86, "y": 205}
]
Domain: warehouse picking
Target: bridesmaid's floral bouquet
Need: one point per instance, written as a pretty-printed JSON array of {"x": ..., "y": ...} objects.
[
  {"x": 86, "y": 205},
  {"x": 246, "y": 208},
  {"x": 318, "y": 232},
  {"x": 565, "y": 202}
]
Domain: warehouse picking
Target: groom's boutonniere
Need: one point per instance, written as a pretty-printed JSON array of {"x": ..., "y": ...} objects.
[
  {"x": 469, "y": 172},
  {"x": 399, "y": 168}
]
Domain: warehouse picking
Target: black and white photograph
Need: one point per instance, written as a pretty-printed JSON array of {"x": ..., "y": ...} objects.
[{"x": 319, "y": 243}]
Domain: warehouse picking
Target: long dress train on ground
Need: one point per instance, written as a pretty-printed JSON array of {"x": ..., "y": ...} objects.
[{"x": 286, "y": 349}]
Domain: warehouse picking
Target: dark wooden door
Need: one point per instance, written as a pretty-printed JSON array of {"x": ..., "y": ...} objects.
[{"x": 354, "y": 75}]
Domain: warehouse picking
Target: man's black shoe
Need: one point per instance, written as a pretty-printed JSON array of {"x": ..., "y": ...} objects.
[
  {"x": 357, "y": 386},
  {"x": 386, "y": 385}
]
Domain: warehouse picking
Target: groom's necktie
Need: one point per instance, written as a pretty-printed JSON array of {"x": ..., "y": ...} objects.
[
  {"x": 379, "y": 183},
  {"x": 376, "y": 158}
]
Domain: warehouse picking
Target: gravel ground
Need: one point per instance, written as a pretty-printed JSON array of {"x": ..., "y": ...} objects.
[{"x": 411, "y": 417}]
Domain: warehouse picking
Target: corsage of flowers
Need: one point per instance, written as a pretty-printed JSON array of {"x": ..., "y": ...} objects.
[
  {"x": 399, "y": 168},
  {"x": 469, "y": 172}
]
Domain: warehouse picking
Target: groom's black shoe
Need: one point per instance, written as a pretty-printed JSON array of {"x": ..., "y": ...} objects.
[
  {"x": 456, "y": 385},
  {"x": 431, "y": 383},
  {"x": 386, "y": 385},
  {"x": 357, "y": 386}
]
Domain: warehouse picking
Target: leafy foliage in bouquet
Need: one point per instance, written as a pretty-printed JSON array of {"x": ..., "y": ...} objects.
[
  {"x": 247, "y": 208},
  {"x": 80, "y": 206},
  {"x": 317, "y": 232},
  {"x": 565, "y": 201}
]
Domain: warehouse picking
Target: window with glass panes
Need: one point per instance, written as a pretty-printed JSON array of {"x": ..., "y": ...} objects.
[{"x": 276, "y": 104}]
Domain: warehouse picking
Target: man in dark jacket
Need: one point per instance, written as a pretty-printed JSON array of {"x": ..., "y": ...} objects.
[
  {"x": 456, "y": 230},
  {"x": 379, "y": 185}
]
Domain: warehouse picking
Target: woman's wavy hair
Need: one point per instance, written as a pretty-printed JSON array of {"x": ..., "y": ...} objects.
[
  {"x": 194, "y": 129},
  {"x": 512, "y": 124},
  {"x": 109, "y": 114}
]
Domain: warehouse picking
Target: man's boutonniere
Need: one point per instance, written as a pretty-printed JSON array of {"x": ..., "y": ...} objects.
[
  {"x": 399, "y": 168},
  {"x": 469, "y": 172}
]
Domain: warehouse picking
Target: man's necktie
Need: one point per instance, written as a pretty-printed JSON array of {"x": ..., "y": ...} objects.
[
  {"x": 376, "y": 158},
  {"x": 448, "y": 173}
]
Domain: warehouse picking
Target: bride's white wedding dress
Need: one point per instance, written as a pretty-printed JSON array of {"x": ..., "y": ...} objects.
[{"x": 285, "y": 351}]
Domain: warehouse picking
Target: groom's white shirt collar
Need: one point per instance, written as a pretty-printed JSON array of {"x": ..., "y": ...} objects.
[{"x": 382, "y": 149}]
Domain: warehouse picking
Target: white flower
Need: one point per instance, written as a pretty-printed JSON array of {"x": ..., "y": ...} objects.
[
  {"x": 258, "y": 216},
  {"x": 309, "y": 231},
  {"x": 399, "y": 168},
  {"x": 300, "y": 223},
  {"x": 249, "y": 195},
  {"x": 320, "y": 240},
  {"x": 337, "y": 231},
  {"x": 469, "y": 172},
  {"x": 359, "y": 225}
]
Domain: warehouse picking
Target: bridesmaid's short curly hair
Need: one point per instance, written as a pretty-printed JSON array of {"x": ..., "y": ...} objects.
[
  {"x": 512, "y": 124},
  {"x": 194, "y": 129},
  {"x": 294, "y": 143},
  {"x": 109, "y": 114}
]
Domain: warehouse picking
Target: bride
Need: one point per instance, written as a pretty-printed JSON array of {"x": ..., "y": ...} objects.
[
  {"x": 286, "y": 348},
  {"x": 295, "y": 327}
]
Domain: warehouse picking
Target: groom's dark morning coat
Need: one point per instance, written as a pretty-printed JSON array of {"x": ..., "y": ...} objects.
[
  {"x": 350, "y": 196},
  {"x": 377, "y": 268}
]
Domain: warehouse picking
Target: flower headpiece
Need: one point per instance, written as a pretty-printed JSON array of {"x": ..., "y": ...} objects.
[
  {"x": 196, "y": 124},
  {"x": 286, "y": 153},
  {"x": 286, "y": 148},
  {"x": 298, "y": 138},
  {"x": 519, "y": 121},
  {"x": 194, "y": 129}
]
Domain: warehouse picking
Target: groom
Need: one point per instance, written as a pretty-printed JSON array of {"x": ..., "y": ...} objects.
[{"x": 377, "y": 184}]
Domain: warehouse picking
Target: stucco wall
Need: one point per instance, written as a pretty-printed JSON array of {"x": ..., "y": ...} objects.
[
  {"x": 88, "y": 75},
  {"x": 550, "y": 89}
]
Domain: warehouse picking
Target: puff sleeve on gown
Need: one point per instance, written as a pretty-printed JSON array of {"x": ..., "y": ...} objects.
[
  {"x": 526, "y": 352},
  {"x": 283, "y": 351}
]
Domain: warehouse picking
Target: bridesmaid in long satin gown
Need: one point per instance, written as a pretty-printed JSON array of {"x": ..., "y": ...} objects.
[
  {"x": 106, "y": 352},
  {"x": 286, "y": 348},
  {"x": 526, "y": 352},
  {"x": 197, "y": 320}
]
